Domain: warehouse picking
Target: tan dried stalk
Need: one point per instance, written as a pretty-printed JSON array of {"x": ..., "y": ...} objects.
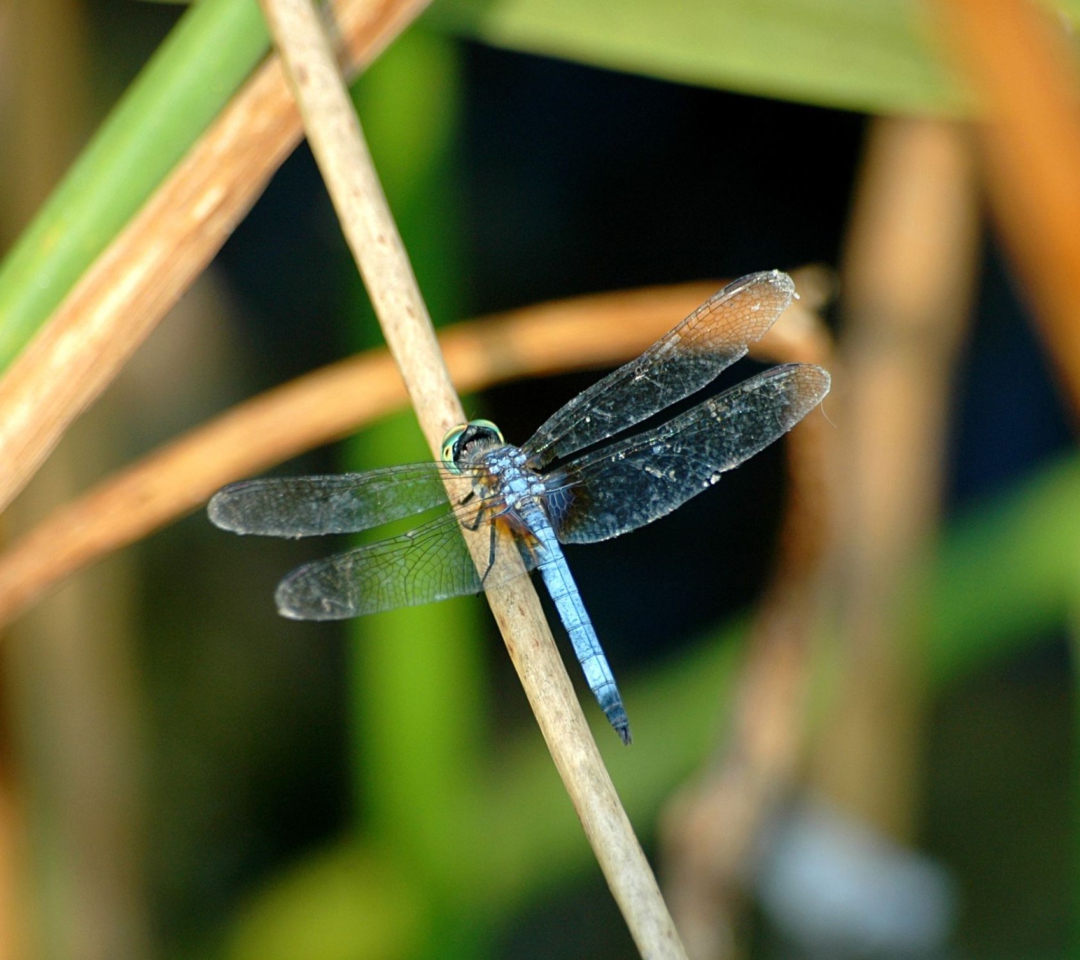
[
  {"x": 1020, "y": 62},
  {"x": 712, "y": 827},
  {"x": 331, "y": 403}
]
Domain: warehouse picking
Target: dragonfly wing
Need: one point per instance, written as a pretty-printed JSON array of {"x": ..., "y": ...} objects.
[
  {"x": 341, "y": 503},
  {"x": 709, "y": 340},
  {"x": 640, "y": 479},
  {"x": 429, "y": 563}
]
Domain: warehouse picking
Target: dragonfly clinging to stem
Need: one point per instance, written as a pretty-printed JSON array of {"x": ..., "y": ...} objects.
[{"x": 533, "y": 496}]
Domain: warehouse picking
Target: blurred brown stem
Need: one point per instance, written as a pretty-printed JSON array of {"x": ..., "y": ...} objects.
[
  {"x": 334, "y": 402},
  {"x": 711, "y": 828},
  {"x": 1016, "y": 57},
  {"x": 907, "y": 287},
  {"x": 70, "y": 791},
  {"x": 911, "y": 254},
  {"x": 155, "y": 258}
]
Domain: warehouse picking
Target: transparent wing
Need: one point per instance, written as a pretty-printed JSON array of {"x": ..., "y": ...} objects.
[
  {"x": 633, "y": 482},
  {"x": 709, "y": 340},
  {"x": 426, "y": 564},
  {"x": 339, "y": 503}
]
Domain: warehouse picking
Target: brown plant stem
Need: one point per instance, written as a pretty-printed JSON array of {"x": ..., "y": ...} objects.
[
  {"x": 712, "y": 827},
  {"x": 907, "y": 286},
  {"x": 331, "y": 403},
  {"x": 1017, "y": 58},
  {"x": 909, "y": 272}
]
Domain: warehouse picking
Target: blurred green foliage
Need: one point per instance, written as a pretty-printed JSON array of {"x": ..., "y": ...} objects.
[
  {"x": 455, "y": 839},
  {"x": 858, "y": 55}
]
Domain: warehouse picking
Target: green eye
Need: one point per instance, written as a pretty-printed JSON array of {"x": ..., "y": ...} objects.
[
  {"x": 486, "y": 426},
  {"x": 448, "y": 444},
  {"x": 465, "y": 434}
]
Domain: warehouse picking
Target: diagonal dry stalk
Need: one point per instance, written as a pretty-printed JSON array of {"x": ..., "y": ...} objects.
[
  {"x": 155, "y": 258},
  {"x": 337, "y": 142}
]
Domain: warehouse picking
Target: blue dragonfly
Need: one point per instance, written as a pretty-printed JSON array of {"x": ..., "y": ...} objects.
[{"x": 533, "y": 496}]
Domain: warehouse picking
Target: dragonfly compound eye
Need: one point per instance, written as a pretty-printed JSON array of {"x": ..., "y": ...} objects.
[
  {"x": 458, "y": 441},
  {"x": 485, "y": 429},
  {"x": 450, "y": 446}
]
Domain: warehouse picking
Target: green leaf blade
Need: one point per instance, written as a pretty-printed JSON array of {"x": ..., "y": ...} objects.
[{"x": 852, "y": 54}]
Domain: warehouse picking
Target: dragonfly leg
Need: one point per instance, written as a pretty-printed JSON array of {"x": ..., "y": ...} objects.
[
  {"x": 491, "y": 552},
  {"x": 473, "y": 524}
]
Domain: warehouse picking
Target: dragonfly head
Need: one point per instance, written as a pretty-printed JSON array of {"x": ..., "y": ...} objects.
[{"x": 457, "y": 443}]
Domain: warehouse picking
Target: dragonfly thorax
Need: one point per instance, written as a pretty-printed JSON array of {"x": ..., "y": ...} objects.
[{"x": 508, "y": 474}]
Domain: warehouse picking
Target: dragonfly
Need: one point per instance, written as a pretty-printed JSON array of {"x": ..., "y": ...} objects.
[{"x": 564, "y": 485}]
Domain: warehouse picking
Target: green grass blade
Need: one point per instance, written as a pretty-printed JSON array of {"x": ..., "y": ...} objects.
[{"x": 872, "y": 55}]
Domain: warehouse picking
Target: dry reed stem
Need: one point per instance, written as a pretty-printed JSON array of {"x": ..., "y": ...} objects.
[
  {"x": 911, "y": 257},
  {"x": 1017, "y": 59},
  {"x": 711, "y": 828},
  {"x": 337, "y": 142},
  {"x": 907, "y": 285},
  {"x": 149, "y": 265}
]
